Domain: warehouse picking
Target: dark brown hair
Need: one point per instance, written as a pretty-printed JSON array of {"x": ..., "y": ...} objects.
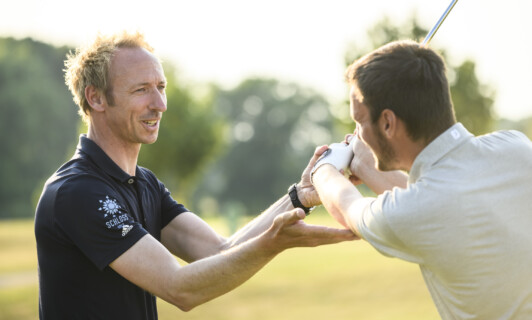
[{"x": 409, "y": 80}]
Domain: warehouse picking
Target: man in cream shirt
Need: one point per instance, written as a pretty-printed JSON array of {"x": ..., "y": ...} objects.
[{"x": 463, "y": 213}]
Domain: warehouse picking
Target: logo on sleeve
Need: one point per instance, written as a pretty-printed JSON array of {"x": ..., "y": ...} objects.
[
  {"x": 109, "y": 206},
  {"x": 115, "y": 217},
  {"x": 125, "y": 229}
]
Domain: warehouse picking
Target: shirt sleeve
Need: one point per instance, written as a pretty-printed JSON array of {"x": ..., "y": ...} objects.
[
  {"x": 93, "y": 216},
  {"x": 169, "y": 207},
  {"x": 384, "y": 234}
]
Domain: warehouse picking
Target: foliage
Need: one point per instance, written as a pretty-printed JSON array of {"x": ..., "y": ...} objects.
[
  {"x": 38, "y": 122},
  {"x": 189, "y": 137},
  {"x": 273, "y": 130},
  {"x": 473, "y": 101},
  {"x": 523, "y": 125}
]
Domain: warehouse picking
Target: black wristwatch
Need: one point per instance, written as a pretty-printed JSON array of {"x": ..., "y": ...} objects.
[{"x": 292, "y": 193}]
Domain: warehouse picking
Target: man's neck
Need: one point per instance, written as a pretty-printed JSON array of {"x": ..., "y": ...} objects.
[
  {"x": 407, "y": 152},
  {"x": 124, "y": 154}
]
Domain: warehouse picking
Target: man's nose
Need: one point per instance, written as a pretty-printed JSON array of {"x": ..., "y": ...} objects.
[{"x": 158, "y": 102}]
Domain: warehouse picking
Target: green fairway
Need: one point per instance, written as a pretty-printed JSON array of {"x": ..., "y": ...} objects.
[{"x": 342, "y": 281}]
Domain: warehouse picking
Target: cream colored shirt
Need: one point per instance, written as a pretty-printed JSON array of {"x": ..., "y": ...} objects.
[{"x": 466, "y": 219}]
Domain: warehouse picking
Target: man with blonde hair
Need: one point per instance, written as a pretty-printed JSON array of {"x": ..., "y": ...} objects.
[{"x": 107, "y": 230}]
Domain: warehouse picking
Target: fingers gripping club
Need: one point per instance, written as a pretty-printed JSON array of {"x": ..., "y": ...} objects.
[{"x": 339, "y": 155}]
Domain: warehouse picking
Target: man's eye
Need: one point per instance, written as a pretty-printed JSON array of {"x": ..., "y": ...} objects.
[{"x": 140, "y": 90}]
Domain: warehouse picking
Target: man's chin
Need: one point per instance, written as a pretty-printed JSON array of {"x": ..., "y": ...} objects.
[{"x": 150, "y": 140}]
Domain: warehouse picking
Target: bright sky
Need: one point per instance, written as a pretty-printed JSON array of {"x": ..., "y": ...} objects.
[{"x": 225, "y": 41}]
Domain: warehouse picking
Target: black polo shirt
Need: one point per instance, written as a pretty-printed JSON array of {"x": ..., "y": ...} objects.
[{"x": 90, "y": 212}]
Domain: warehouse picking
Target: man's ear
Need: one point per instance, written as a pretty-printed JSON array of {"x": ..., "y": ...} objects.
[
  {"x": 388, "y": 123},
  {"x": 95, "y": 98}
]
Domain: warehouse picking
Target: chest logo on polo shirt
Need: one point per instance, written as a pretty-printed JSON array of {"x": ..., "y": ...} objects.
[{"x": 115, "y": 216}]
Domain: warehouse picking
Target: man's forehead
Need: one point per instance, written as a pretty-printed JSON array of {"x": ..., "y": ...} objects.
[
  {"x": 359, "y": 110},
  {"x": 133, "y": 62},
  {"x": 355, "y": 93},
  {"x": 133, "y": 53}
]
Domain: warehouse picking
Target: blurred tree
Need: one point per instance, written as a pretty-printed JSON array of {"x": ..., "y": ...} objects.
[
  {"x": 473, "y": 101},
  {"x": 523, "y": 125},
  {"x": 38, "y": 121},
  {"x": 189, "y": 137},
  {"x": 274, "y": 129}
]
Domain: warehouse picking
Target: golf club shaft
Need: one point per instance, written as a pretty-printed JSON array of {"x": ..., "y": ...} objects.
[{"x": 431, "y": 33}]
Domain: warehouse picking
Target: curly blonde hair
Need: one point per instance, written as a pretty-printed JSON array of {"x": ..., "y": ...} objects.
[{"x": 89, "y": 65}]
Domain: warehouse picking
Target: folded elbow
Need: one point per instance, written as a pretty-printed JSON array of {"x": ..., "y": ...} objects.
[
  {"x": 184, "y": 307},
  {"x": 184, "y": 302}
]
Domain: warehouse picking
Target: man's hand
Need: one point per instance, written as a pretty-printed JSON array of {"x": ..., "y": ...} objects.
[
  {"x": 305, "y": 190},
  {"x": 288, "y": 230},
  {"x": 364, "y": 170},
  {"x": 363, "y": 159},
  {"x": 339, "y": 156}
]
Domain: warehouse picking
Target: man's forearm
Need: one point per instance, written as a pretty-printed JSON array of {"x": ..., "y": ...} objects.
[
  {"x": 260, "y": 223},
  {"x": 379, "y": 181},
  {"x": 149, "y": 265},
  {"x": 214, "y": 276},
  {"x": 337, "y": 194},
  {"x": 211, "y": 277},
  {"x": 363, "y": 166}
]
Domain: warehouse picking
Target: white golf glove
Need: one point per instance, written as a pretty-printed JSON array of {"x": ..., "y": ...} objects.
[{"x": 338, "y": 154}]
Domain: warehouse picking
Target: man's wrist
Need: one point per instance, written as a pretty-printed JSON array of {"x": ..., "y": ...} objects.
[
  {"x": 296, "y": 202},
  {"x": 316, "y": 169}
]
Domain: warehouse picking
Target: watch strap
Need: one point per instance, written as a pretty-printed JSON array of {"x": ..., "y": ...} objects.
[{"x": 292, "y": 193}]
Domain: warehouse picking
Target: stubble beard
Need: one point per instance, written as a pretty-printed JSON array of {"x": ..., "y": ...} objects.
[{"x": 385, "y": 154}]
